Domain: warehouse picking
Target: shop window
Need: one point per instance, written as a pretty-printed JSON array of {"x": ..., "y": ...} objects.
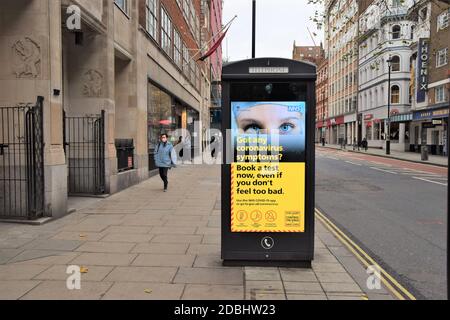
[
  {"x": 376, "y": 131},
  {"x": 395, "y": 94},
  {"x": 396, "y": 32},
  {"x": 369, "y": 132},
  {"x": 395, "y": 132},
  {"x": 395, "y": 63},
  {"x": 160, "y": 115}
]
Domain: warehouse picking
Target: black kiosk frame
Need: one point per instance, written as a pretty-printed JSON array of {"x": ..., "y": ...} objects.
[{"x": 269, "y": 79}]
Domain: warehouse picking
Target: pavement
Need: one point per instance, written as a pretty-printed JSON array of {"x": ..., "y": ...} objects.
[
  {"x": 145, "y": 244},
  {"x": 406, "y": 156},
  {"x": 395, "y": 210}
]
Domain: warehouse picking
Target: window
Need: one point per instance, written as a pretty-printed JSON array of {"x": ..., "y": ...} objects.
[
  {"x": 396, "y": 3},
  {"x": 122, "y": 4},
  {"x": 186, "y": 10},
  {"x": 440, "y": 94},
  {"x": 442, "y": 57},
  {"x": 192, "y": 75},
  {"x": 166, "y": 33},
  {"x": 395, "y": 94},
  {"x": 412, "y": 33},
  {"x": 395, "y": 63},
  {"x": 152, "y": 20},
  {"x": 177, "y": 49},
  {"x": 186, "y": 59},
  {"x": 423, "y": 15},
  {"x": 442, "y": 20},
  {"x": 396, "y": 32}
]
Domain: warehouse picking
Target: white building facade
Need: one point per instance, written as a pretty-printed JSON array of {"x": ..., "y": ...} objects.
[{"x": 385, "y": 34}]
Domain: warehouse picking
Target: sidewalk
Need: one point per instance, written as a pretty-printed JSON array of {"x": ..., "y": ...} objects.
[
  {"x": 146, "y": 244},
  {"x": 407, "y": 156}
]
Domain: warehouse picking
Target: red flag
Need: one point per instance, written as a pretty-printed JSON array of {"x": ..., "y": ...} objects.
[{"x": 214, "y": 47}]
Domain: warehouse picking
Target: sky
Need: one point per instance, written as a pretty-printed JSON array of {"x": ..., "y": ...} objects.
[{"x": 278, "y": 24}]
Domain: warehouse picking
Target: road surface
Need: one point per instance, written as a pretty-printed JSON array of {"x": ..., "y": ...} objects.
[{"x": 396, "y": 210}]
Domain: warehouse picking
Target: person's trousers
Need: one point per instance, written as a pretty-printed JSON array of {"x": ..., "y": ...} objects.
[{"x": 163, "y": 173}]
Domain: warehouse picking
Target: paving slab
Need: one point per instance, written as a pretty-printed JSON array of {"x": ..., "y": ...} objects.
[
  {"x": 106, "y": 247},
  {"x": 209, "y": 276},
  {"x": 164, "y": 260},
  {"x": 43, "y": 257},
  {"x": 213, "y": 292},
  {"x": 104, "y": 259},
  {"x": 20, "y": 272},
  {"x": 144, "y": 291},
  {"x": 127, "y": 237},
  {"x": 57, "y": 290},
  {"x": 174, "y": 239},
  {"x": 142, "y": 274},
  {"x": 160, "y": 248},
  {"x": 14, "y": 290}
]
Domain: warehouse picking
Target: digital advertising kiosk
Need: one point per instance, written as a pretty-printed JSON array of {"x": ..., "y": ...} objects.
[{"x": 268, "y": 167}]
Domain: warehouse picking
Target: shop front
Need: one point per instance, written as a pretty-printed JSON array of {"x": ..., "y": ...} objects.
[
  {"x": 166, "y": 114},
  {"x": 429, "y": 127},
  {"x": 320, "y": 131},
  {"x": 336, "y": 126}
]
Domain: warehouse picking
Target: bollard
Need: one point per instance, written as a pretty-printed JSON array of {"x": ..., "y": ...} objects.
[{"x": 424, "y": 153}]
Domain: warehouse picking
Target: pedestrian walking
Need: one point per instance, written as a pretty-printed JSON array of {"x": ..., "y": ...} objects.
[
  {"x": 165, "y": 159},
  {"x": 365, "y": 144}
]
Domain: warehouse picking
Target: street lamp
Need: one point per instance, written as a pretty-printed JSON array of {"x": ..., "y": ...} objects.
[{"x": 388, "y": 136}]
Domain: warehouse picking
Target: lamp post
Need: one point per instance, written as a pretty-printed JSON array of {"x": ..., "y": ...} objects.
[
  {"x": 388, "y": 135},
  {"x": 254, "y": 30}
]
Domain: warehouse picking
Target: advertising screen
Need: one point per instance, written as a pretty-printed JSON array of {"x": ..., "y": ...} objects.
[{"x": 268, "y": 171}]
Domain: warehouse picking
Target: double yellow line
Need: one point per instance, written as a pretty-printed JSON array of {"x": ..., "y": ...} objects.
[{"x": 396, "y": 288}]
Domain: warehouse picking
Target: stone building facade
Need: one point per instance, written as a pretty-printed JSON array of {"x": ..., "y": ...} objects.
[{"x": 133, "y": 63}]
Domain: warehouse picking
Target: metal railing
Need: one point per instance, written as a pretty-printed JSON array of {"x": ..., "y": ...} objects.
[
  {"x": 22, "y": 161},
  {"x": 84, "y": 145}
]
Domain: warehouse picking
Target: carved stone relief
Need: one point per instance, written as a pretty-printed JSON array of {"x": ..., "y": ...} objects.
[
  {"x": 93, "y": 84},
  {"x": 26, "y": 55}
]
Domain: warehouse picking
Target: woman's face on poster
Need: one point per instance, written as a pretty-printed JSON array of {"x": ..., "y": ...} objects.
[{"x": 269, "y": 118}]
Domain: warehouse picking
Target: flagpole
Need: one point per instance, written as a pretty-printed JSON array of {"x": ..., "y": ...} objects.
[{"x": 210, "y": 40}]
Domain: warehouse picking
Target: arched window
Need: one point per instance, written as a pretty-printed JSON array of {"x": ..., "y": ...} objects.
[
  {"x": 396, "y": 30},
  {"x": 395, "y": 94},
  {"x": 395, "y": 63}
]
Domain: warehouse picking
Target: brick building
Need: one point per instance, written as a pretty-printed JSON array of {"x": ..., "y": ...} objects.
[
  {"x": 430, "y": 107},
  {"x": 322, "y": 101},
  {"x": 313, "y": 54}
]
